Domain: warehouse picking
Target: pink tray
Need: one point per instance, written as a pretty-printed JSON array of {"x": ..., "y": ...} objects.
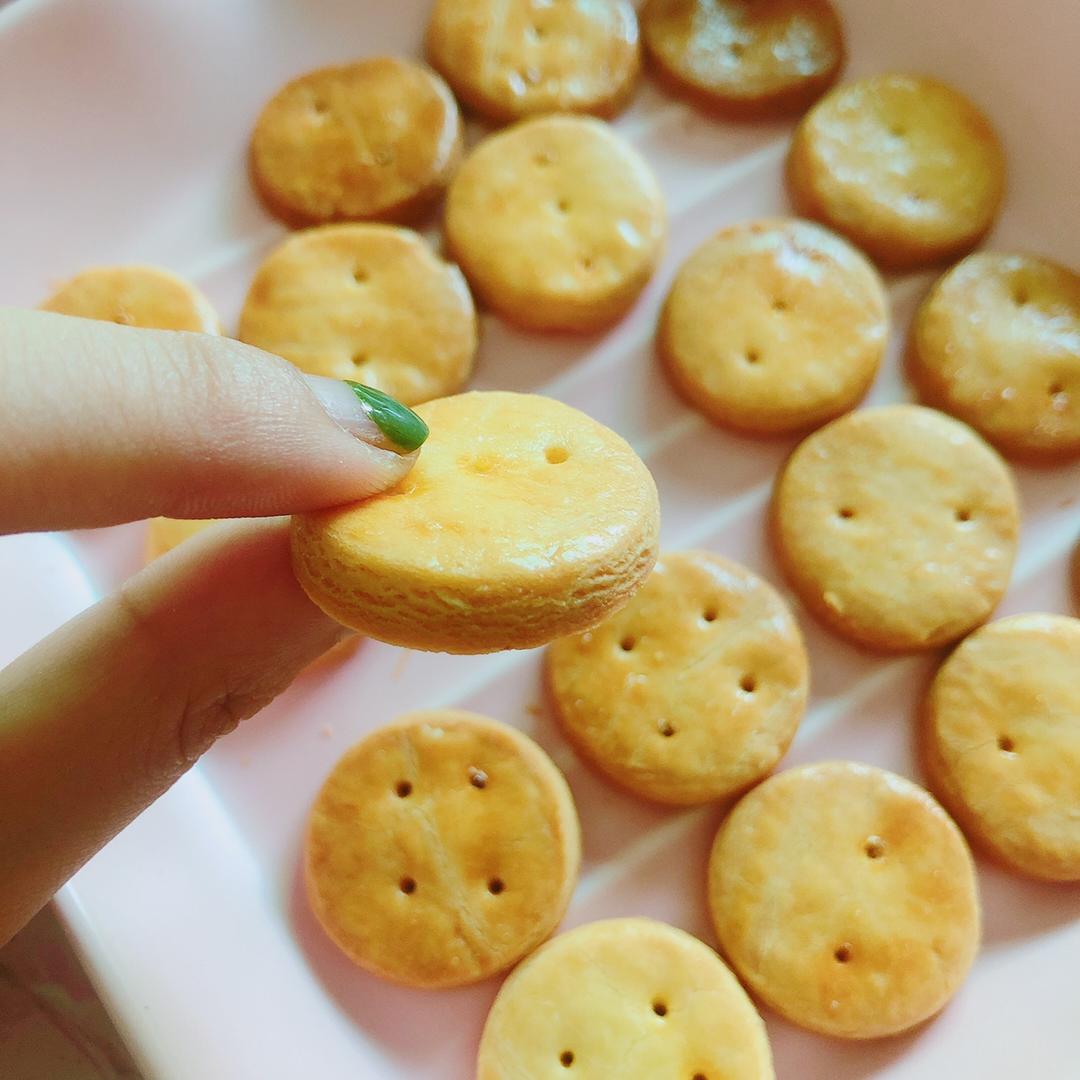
[{"x": 124, "y": 129}]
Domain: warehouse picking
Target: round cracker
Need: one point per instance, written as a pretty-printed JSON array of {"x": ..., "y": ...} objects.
[
  {"x": 509, "y": 59},
  {"x": 693, "y": 690},
  {"x": 377, "y": 139},
  {"x": 589, "y": 994},
  {"x": 897, "y": 526},
  {"x": 1001, "y": 741},
  {"x": 741, "y": 58},
  {"x": 904, "y": 166},
  {"x": 774, "y": 326},
  {"x": 557, "y": 222},
  {"x": 163, "y": 534},
  {"x": 997, "y": 343},
  {"x": 845, "y": 897},
  {"x": 369, "y": 303},
  {"x": 143, "y": 296},
  {"x": 441, "y": 849},
  {"x": 522, "y": 520}
]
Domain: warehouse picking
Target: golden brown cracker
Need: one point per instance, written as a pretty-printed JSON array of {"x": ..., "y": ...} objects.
[
  {"x": 441, "y": 849},
  {"x": 845, "y": 897},
  {"x": 693, "y": 690}
]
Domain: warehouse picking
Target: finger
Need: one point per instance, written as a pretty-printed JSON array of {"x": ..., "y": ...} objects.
[
  {"x": 102, "y": 716},
  {"x": 104, "y": 424}
]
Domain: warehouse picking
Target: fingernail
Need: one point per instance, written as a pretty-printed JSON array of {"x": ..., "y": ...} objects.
[
  {"x": 369, "y": 414},
  {"x": 396, "y": 421}
]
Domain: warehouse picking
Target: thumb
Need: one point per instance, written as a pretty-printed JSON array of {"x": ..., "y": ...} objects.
[
  {"x": 105, "y": 424},
  {"x": 103, "y": 715}
]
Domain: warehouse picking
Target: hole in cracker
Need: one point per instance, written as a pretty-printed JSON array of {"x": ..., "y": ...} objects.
[
  {"x": 496, "y": 886},
  {"x": 963, "y": 515},
  {"x": 320, "y": 107},
  {"x": 1006, "y": 744},
  {"x": 563, "y": 206},
  {"x": 736, "y": 49},
  {"x": 585, "y": 263},
  {"x": 404, "y": 789},
  {"x": 1055, "y": 389},
  {"x": 897, "y": 131},
  {"x": 359, "y": 275},
  {"x": 477, "y": 777},
  {"x": 711, "y": 613},
  {"x": 748, "y": 684},
  {"x": 700, "y": 1076},
  {"x": 843, "y": 954},
  {"x": 536, "y": 32},
  {"x": 407, "y": 885},
  {"x": 660, "y": 1008},
  {"x": 779, "y": 304},
  {"x": 845, "y": 512},
  {"x": 543, "y": 159},
  {"x": 875, "y": 847},
  {"x": 556, "y": 455},
  {"x": 665, "y": 728},
  {"x": 753, "y": 356},
  {"x": 566, "y": 1058},
  {"x": 628, "y": 643},
  {"x": 359, "y": 359}
]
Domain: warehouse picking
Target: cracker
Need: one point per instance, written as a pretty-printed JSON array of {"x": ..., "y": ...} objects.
[
  {"x": 373, "y": 140},
  {"x": 745, "y": 58},
  {"x": 845, "y": 897},
  {"x": 1001, "y": 742},
  {"x": 774, "y": 326},
  {"x": 509, "y": 59},
  {"x": 897, "y": 526},
  {"x": 631, "y": 999},
  {"x": 369, "y": 303},
  {"x": 693, "y": 691},
  {"x": 904, "y": 166},
  {"x": 557, "y": 222},
  {"x": 997, "y": 343},
  {"x": 144, "y": 296},
  {"x": 163, "y": 534},
  {"x": 522, "y": 520},
  {"x": 441, "y": 849}
]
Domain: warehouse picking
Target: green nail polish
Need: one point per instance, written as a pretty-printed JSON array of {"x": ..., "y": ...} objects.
[{"x": 396, "y": 421}]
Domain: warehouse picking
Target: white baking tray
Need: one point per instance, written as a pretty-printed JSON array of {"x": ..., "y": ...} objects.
[{"x": 122, "y": 137}]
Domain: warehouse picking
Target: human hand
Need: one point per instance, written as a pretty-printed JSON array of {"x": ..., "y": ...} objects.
[{"x": 105, "y": 424}]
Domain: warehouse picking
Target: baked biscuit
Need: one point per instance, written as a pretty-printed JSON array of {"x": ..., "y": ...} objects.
[
  {"x": 163, "y": 534},
  {"x": 441, "y": 849},
  {"x": 557, "y": 222},
  {"x": 1001, "y": 742},
  {"x": 745, "y": 57},
  {"x": 904, "y": 166},
  {"x": 897, "y": 526},
  {"x": 845, "y": 897},
  {"x": 522, "y": 520},
  {"x": 508, "y": 59},
  {"x": 997, "y": 343},
  {"x": 144, "y": 296},
  {"x": 631, "y": 999},
  {"x": 691, "y": 692},
  {"x": 369, "y": 303},
  {"x": 377, "y": 139},
  {"x": 774, "y": 326}
]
